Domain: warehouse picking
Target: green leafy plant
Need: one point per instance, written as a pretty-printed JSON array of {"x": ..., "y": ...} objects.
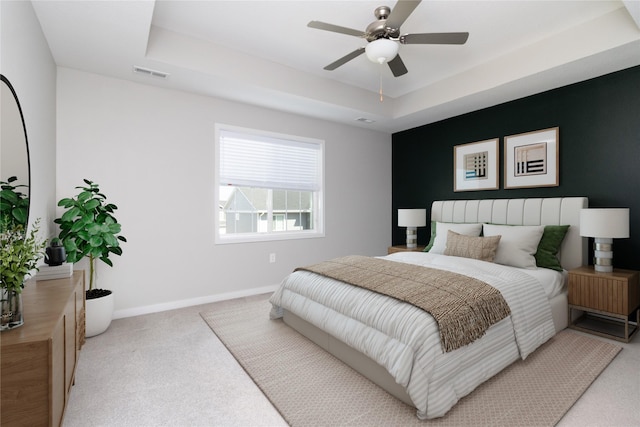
[
  {"x": 20, "y": 254},
  {"x": 14, "y": 204},
  {"x": 89, "y": 229}
]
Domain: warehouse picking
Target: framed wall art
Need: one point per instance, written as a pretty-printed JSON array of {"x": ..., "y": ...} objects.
[
  {"x": 531, "y": 159},
  {"x": 475, "y": 166}
]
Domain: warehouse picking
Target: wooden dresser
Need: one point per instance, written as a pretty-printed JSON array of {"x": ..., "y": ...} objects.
[{"x": 38, "y": 359}]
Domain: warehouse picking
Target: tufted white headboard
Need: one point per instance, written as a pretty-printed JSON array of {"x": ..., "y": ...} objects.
[{"x": 543, "y": 211}]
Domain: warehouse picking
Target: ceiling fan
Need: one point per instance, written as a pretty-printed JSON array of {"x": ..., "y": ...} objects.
[{"x": 383, "y": 36}]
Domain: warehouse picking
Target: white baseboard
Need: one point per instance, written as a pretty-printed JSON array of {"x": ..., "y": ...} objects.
[{"x": 137, "y": 311}]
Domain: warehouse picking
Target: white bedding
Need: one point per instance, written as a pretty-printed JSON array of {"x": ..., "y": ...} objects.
[{"x": 405, "y": 340}]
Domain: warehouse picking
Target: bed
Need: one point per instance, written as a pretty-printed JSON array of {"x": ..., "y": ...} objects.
[{"x": 399, "y": 346}]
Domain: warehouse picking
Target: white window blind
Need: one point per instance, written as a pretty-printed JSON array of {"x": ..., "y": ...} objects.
[{"x": 265, "y": 162}]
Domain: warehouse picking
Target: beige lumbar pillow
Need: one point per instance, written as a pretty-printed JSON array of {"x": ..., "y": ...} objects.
[
  {"x": 440, "y": 242},
  {"x": 482, "y": 248}
]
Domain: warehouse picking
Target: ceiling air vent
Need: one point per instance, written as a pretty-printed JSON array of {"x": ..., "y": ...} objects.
[
  {"x": 150, "y": 72},
  {"x": 364, "y": 120}
]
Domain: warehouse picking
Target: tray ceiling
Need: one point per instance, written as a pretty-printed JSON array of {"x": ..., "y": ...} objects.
[{"x": 263, "y": 53}]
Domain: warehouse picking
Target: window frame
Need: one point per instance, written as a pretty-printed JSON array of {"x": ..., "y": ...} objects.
[{"x": 271, "y": 235}]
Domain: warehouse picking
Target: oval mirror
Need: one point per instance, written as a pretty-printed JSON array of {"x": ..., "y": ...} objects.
[{"x": 14, "y": 160}]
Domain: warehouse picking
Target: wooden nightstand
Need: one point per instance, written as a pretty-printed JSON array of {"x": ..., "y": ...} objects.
[
  {"x": 615, "y": 295},
  {"x": 404, "y": 248}
]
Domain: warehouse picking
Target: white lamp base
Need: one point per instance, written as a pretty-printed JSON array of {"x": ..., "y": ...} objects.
[
  {"x": 412, "y": 237},
  {"x": 603, "y": 255}
]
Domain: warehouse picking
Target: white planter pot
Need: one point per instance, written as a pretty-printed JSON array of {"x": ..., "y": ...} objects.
[{"x": 98, "y": 315}]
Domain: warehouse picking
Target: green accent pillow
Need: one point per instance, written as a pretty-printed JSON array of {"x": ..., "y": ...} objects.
[
  {"x": 433, "y": 237},
  {"x": 546, "y": 256}
]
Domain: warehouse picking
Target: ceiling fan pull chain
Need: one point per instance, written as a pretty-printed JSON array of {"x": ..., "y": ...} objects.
[{"x": 381, "y": 96}]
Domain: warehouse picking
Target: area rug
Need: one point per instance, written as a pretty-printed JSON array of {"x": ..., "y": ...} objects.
[{"x": 310, "y": 387}]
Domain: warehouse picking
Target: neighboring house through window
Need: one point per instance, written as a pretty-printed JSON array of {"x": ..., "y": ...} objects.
[{"x": 268, "y": 186}]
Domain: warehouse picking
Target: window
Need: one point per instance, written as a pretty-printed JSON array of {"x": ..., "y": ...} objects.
[{"x": 268, "y": 186}]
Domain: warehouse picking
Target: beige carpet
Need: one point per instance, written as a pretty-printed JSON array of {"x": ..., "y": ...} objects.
[{"x": 312, "y": 388}]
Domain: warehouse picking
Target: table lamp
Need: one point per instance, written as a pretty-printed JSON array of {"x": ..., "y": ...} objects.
[
  {"x": 604, "y": 224},
  {"x": 412, "y": 218}
]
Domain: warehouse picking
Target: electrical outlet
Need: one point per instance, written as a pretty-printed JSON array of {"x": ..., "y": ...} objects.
[{"x": 272, "y": 258}]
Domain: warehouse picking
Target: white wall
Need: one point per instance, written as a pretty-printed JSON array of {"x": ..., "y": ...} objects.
[
  {"x": 26, "y": 61},
  {"x": 151, "y": 151}
]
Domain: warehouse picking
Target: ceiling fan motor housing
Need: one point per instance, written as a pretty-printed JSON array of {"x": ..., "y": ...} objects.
[{"x": 378, "y": 28}]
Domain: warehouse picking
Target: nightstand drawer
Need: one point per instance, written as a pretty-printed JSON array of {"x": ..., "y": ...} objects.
[
  {"x": 615, "y": 293},
  {"x": 403, "y": 248}
]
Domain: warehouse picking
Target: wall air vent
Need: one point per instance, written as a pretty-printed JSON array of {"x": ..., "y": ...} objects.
[
  {"x": 364, "y": 120},
  {"x": 150, "y": 72}
]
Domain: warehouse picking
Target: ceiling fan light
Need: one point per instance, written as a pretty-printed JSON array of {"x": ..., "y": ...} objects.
[{"x": 381, "y": 50}]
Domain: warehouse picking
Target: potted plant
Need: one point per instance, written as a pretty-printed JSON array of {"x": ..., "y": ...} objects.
[
  {"x": 89, "y": 229},
  {"x": 19, "y": 255}
]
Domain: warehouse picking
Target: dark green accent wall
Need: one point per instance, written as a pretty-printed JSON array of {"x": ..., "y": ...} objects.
[{"x": 599, "y": 121}]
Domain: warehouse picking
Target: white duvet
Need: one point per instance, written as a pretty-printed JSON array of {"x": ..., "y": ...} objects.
[{"x": 405, "y": 339}]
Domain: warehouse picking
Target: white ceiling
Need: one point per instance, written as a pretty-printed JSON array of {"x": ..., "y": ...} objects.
[{"x": 262, "y": 52}]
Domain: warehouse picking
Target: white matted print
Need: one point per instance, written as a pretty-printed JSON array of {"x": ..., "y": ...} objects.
[
  {"x": 531, "y": 159},
  {"x": 475, "y": 166}
]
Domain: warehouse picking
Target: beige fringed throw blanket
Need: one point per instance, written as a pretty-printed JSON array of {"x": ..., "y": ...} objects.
[{"x": 463, "y": 307}]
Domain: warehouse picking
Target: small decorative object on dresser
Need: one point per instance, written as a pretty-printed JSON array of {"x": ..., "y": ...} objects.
[
  {"x": 412, "y": 218},
  {"x": 46, "y": 272},
  {"x": 55, "y": 266},
  {"x": 607, "y": 300},
  {"x": 55, "y": 253},
  {"x": 89, "y": 229}
]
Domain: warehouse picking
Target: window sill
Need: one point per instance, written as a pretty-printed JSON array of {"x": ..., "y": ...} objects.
[{"x": 253, "y": 238}]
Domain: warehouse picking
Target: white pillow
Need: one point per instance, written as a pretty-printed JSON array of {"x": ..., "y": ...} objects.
[
  {"x": 518, "y": 244},
  {"x": 440, "y": 242}
]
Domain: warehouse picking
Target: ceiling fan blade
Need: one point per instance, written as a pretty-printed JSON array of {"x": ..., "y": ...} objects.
[
  {"x": 397, "y": 66},
  {"x": 435, "y": 38},
  {"x": 401, "y": 12},
  {"x": 335, "y": 28},
  {"x": 344, "y": 59}
]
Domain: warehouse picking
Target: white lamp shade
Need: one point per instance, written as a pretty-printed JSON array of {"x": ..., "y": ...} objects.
[
  {"x": 381, "y": 50},
  {"x": 412, "y": 217},
  {"x": 611, "y": 223}
]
